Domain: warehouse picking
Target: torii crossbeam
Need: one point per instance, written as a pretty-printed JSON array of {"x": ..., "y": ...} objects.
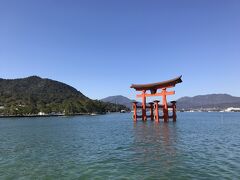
[{"x": 153, "y": 88}]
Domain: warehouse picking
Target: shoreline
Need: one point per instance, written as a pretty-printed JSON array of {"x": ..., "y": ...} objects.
[{"x": 49, "y": 115}]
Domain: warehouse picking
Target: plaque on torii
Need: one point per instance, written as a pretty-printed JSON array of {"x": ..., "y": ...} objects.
[{"x": 154, "y": 107}]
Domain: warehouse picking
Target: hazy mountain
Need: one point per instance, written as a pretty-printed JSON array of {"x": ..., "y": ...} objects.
[
  {"x": 119, "y": 99},
  {"x": 34, "y": 94},
  {"x": 200, "y": 101},
  {"x": 208, "y": 101}
]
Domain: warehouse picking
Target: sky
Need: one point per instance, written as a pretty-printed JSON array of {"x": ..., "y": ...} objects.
[{"x": 101, "y": 47}]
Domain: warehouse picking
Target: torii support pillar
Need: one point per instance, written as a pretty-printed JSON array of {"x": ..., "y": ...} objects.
[
  {"x": 144, "y": 116},
  {"x": 134, "y": 104},
  {"x": 156, "y": 106},
  {"x": 151, "y": 110},
  {"x": 165, "y": 105},
  {"x": 174, "y": 110}
]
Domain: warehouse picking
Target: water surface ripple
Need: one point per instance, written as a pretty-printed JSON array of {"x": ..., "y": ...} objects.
[{"x": 197, "y": 146}]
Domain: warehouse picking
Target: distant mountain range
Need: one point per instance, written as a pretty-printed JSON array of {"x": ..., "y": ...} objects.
[
  {"x": 31, "y": 95},
  {"x": 200, "y": 101},
  {"x": 208, "y": 101},
  {"x": 119, "y": 99}
]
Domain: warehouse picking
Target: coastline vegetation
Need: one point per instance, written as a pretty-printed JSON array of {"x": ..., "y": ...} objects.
[{"x": 34, "y": 96}]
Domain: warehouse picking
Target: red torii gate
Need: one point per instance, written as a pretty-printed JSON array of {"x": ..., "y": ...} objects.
[{"x": 154, "y": 106}]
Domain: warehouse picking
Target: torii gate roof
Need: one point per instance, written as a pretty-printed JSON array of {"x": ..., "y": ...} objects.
[{"x": 153, "y": 87}]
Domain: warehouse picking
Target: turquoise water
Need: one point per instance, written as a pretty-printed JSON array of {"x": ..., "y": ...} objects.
[{"x": 197, "y": 146}]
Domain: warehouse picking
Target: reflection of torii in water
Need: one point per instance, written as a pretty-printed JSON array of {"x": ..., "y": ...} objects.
[
  {"x": 153, "y": 89},
  {"x": 156, "y": 144}
]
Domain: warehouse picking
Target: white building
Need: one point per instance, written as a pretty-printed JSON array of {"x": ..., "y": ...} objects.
[
  {"x": 231, "y": 109},
  {"x": 41, "y": 113}
]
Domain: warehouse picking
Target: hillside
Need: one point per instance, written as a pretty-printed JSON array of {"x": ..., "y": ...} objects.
[
  {"x": 208, "y": 101},
  {"x": 119, "y": 99},
  {"x": 33, "y": 94}
]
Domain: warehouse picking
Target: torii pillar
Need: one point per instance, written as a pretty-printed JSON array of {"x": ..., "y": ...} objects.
[
  {"x": 164, "y": 103},
  {"x": 156, "y": 107},
  {"x": 151, "y": 110},
  {"x": 144, "y": 116},
  {"x": 174, "y": 116}
]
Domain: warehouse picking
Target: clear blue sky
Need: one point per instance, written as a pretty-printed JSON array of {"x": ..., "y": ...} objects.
[{"x": 101, "y": 47}]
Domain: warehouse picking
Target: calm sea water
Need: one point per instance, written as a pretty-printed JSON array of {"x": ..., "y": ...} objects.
[{"x": 197, "y": 146}]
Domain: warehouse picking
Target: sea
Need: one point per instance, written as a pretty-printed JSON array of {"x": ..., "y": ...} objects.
[{"x": 199, "y": 145}]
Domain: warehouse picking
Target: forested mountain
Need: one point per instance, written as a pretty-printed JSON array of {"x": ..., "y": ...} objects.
[{"x": 33, "y": 94}]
